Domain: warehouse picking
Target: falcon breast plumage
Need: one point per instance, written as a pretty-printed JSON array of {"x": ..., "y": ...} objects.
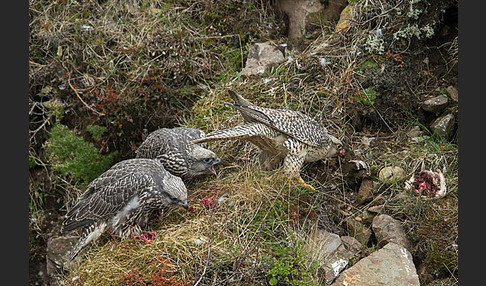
[
  {"x": 123, "y": 199},
  {"x": 280, "y": 134},
  {"x": 171, "y": 147}
]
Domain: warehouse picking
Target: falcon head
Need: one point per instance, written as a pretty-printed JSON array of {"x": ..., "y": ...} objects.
[
  {"x": 201, "y": 161},
  {"x": 336, "y": 148},
  {"x": 175, "y": 191}
]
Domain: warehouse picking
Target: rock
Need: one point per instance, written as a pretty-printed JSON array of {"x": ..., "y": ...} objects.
[
  {"x": 331, "y": 252},
  {"x": 364, "y": 192},
  {"x": 306, "y": 15},
  {"x": 297, "y": 12},
  {"x": 261, "y": 58},
  {"x": 358, "y": 165},
  {"x": 367, "y": 217},
  {"x": 453, "y": 93},
  {"x": 443, "y": 125},
  {"x": 435, "y": 104},
  {"x": 416, "y": 135},
  {"x": 392, "y": 266},
  {"x": 344, "y": 19},
  {"x": 358, "y": 230},
  {"x": 351, "y": 244},
  {"x": 375, "y": 209},
  {"x": 414, "y": 132},
  {"x": 369, "y": 214},
  {"x": 388, "y": 229},
  {"x": 57, "y": 254},
  {"x": 391, "y": 174}
]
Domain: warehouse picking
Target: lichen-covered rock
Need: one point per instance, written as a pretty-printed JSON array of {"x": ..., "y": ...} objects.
[
  {"x": 388, "y": 229},
  {"x": 435, "y": 104},
  {"x": 443, "y": 125},
  {"x": 57, "y": 255},
  {"x": 392, "y": 266},
  {"x": 391, "y": 174},
  {"x": 261, "y": 57},
  {"x": 344, "y": 19},
  {"x": 358, "y": 230},
  {"x": 331, "y": 252}
]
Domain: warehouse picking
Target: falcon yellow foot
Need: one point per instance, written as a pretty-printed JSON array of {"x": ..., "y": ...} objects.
[{"x": 301, "y": 182}]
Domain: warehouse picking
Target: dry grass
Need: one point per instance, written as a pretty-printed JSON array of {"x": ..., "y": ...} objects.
[{"x": 230, "y": 241}]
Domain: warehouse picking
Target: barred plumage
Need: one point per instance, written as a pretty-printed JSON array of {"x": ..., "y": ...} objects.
[
  {"x": 280, "y": 134},
  {"x": 171, "y": 148},
  {"x": 123, "y": 199}
]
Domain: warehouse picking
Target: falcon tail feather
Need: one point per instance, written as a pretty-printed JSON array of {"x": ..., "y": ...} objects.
[
  {"x": 249, "y": 114},
  {"x": 238, "y": 99},
  {"x": 71, "y": 225},
  {"x": 238, "y": 132},
  {"x": 91, "y": 233}
]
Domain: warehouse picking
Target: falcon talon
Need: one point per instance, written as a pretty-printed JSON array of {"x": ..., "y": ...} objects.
[
  {"x": 301, "y": 182},
  {"x": 209, "y": 202}
]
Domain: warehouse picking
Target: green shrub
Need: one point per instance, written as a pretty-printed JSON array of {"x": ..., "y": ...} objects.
[
  {"x": 72, "y": 155},
  {"x": 289, "y": 265},
  {"x": 96, "y": 131}
]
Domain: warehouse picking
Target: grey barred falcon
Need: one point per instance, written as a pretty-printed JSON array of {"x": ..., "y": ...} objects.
[
  {"x": 171, "y": 147},
  {"x": 280, "y": 134},
  {"x": 122, "y": 200}
]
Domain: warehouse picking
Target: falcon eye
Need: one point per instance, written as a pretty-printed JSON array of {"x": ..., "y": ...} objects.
[{"x": 207, "y": 160}]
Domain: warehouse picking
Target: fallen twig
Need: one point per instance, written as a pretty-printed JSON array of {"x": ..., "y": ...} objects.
[{"x": 85, "y": 104}]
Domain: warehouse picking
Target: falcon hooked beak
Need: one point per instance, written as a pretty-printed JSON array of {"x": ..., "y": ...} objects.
[
  {"x": 186, "y": 206},
  {"x": 211, "y": 169}
]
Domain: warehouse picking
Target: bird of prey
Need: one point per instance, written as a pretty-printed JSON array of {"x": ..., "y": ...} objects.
[
  {"x": 171, "y": 147},
  {"x": 280, "y": 134},
  {"x": 123, "y": 199}
]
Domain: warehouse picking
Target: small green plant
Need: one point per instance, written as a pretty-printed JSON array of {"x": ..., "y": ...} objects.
[
  {"x": 365, "y": 96},
  {"x": 289, "y": 265},
  {"x": 32, "y": 162},
  {"x": 368, "y": 65},
  {"x": 55, "y": 106},
  {"x": 72, "y": 155}
]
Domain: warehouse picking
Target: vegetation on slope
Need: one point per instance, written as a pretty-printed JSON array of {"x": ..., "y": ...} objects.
[{"x": 110, "y": 65}]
